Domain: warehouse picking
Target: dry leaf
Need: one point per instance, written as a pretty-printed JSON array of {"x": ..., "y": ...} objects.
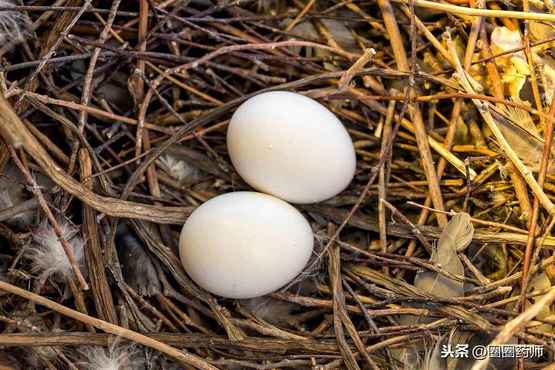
[
  {"x": 541, "y": 282},
  {"x": 341, "y": 34},
  {"x": 541, "y": 31},
  {"x": 304, "y": 30},
  {"x": 456, "y": 338},
  {"x": 522, "y": 135},
  {"x": 433, "y": 360},
  {"x": 456, "y": 236},
  {"x": 547, "y": 77}
]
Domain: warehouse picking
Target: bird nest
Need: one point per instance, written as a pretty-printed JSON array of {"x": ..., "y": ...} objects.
[{"x": 113, "y": 120}]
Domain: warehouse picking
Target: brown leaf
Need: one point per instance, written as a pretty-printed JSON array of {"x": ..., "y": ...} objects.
[
  {"x": 456, "y": 236},
  {"x": 522, "y": 135}
]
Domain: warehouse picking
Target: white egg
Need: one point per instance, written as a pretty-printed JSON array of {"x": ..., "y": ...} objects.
[
  {"x": 291, "y": 146},
  {"x": 245, "y": 244}
]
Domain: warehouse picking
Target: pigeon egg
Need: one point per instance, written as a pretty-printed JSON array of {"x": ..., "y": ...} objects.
[
  {"x": 245, "y": 244},
  {"x": 288, "y": 145}
]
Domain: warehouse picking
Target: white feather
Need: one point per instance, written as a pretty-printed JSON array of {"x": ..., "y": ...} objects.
[
  {"x": 47, "y": 254},
  {"x": 13, "y": 23},
  {"x": 176, "y": 168},
  {"x": 113, "y": 358}
]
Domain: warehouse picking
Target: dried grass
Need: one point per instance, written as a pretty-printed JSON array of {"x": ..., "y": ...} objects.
[{"x": 123, "y": 106}]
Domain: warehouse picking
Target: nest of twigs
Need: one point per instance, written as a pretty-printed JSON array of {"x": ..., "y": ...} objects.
[{"x": 113, "y": 118}]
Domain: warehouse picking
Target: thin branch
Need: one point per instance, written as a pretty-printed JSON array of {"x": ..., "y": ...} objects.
[
  {"x": 477, "y": 12},
  {"x": 181, "y": 356}
]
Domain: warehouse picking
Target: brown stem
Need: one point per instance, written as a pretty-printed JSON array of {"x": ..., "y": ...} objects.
[
  {"x": 536, "y": 206},
  {"x": 419, "y": 128},
  {"x": 181, "y": 356}
]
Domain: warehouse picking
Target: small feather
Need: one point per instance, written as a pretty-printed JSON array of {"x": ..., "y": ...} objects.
[
  {"x": 176, "y": 168},
  {"x": 13, "y": 23},
  {"x": 113, "y": 358},
  {"x": 138, "y": 269},
  {"x": 541, "y": 282},
  {"x": 523, "y": 119},
  {"x": 47, "y": 254}
]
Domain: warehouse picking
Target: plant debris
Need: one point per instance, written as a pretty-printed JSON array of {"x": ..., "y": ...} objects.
[{"x": 113, "y": 119}]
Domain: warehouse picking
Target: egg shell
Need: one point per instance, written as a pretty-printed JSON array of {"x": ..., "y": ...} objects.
[
  {"x": 291, "y": 146},
  {"x": 245, "y": 244}
]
